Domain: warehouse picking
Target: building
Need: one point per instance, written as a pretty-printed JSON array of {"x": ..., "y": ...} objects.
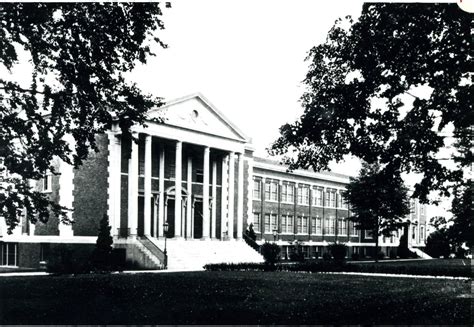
[{"x": 196, "y": 172}]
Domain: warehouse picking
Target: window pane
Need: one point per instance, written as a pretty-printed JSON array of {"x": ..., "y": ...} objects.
[{"x": 267, "y": 223}]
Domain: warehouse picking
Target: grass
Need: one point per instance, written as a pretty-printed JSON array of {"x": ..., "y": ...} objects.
[{"x": 232, "y": 298}]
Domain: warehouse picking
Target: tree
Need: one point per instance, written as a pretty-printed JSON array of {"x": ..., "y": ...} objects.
[
  {"x": 379, "y": 201},
  {"x": 383, "y": 88},
  {"x": 438, "y": 244},
  {"x": 461, "y": 231},
  {"x": 78, "y": 54},
  {"x": 101, "y": 257},
  {"x": 251, "y": 233}
]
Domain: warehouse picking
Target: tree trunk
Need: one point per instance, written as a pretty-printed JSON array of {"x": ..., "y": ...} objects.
[{"x": 376, "y": 235}]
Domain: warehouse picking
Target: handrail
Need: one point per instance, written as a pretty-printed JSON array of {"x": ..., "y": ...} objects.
[
  {"x": 153, "y": 248},
  {"x": 254, "y": 245}
]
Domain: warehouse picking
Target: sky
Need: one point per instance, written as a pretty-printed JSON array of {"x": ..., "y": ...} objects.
[{"x": 246, "y": 57}]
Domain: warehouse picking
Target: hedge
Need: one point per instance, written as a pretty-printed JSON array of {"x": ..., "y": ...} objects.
[{"x": 321, "y": 266}]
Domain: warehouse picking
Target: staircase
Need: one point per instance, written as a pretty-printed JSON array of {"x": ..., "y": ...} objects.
[
  {"x": 419, "y": 253},
  {"x": 141, "y": 253},
  {"x": 194, "y": 254}
]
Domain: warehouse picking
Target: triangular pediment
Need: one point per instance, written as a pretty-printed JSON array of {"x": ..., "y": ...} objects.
[{"x": 196, "y": 113}]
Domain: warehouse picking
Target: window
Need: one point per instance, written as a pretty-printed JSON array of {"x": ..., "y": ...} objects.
[
  {"x": 342, "y": 227},
  {"x": 339, "y": 200},
  {"x": 9, "y": 254},
  {"x": 368, "y": 234},
  {"x": 287, "y": 193},
  {"x": 256, "y": 222},
  {"x": 303, "y": 195},
  {"x": 422, "y": 234},
  {"x": 330, "y": 226},
  {"x": 318, "y": 197},
  {"x": 354, "y": 230},
  {"x": 287, "y": 224},
  {"x": 413, "y": 234},
  {"x": 271, "y": 191},
  {"x": 257, "y": 189},
  {"x": 305, "y": 225},
  {"x": 316, "y": 225},
  {"x": 302, "y": 225},
  {"x": 331, "y": 199},
  {"x": 47, "y": 181},
  {"x": 270, "y": 222}
]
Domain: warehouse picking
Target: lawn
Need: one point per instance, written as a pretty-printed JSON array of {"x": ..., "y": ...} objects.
[{"x": 232, "y": 298}]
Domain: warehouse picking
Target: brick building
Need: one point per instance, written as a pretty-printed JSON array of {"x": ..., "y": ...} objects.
[{"x": 196, "y": 172}]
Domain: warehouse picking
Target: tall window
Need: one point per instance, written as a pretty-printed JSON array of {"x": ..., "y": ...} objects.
[
  {"x": 256, "y": 221},
  {"x": 303, "y": 195},
  {"x": 287, "y": 193},
  {"x": 339, "y": 200},
  {"x": 331, "y": 198},
  {"x": 342, "y": 227},
  {"x": 299, "y": 225},
  {"x": 413, "y": 234},
  {"x": 270, "y": 222},
  {"x": 317, "y": 197},
  {"x": 354, "y": 231},
  {"x": 330, "y": 226},
  {"x": 287, "y": 224},
  {"x": 257, "y": 189},
  {"x": 316, "y": 225},
  {"x": 271, "y": 190},
  {"x": 305, "y": 225},
  {"x": 47, "y": 181},
  {"x": 422, "y": 234},
  {"x": 9, "y": 254}
]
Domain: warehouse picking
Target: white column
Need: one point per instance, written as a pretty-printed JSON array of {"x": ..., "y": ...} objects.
[
  {"x": 189, "y": 200},
  {"x": 240, "y": 197},
  {"x": 66, "y": 197},
  {"x": 147, "y": 188},
  {"x": 231, "y": 194},
  {"x": 178, "y": 181},
  {"x": 205, "y": 195},
  {"x": 214, "y": 199},
  {"x": 161, "y": 186},
  {"x": 133, "y": 188},
  {"x": 224, "y": 201},
  {"x": 249, "y": 190}
]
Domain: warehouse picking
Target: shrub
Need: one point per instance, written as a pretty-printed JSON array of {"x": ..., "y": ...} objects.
[
  {"x": 338, "y": 251},
  {"x": 380, "y": 255},
  {"x": 270, "y": 252},
  {"x": 102, "y": 255},
  {"x": 355, "y": 256},
  {"x": 64, "y": 260},
  {"x": 326, "y": 256},
  {"x": 297, "y": 256},
  {"x": 393, "y": 254}
]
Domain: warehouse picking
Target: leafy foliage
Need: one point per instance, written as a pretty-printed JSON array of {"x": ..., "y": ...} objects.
[
  {"x": 102, "y": 255},
  {"x": 378, "y": 199},
  {"x": 270, "y": 252},
  {"x": 438, "y": 244},
  {"x": 383, "y": 88},
  {"x": 338, "y": 251},
  {"x": 78, "y": 53}
]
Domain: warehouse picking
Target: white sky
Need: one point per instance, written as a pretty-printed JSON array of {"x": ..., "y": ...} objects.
[{"x": 246, "y": 57}]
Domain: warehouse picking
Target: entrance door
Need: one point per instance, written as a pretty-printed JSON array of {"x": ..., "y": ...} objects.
[
  {"x": 170, "y": 217},
  {"x": 198, "y": 219}
]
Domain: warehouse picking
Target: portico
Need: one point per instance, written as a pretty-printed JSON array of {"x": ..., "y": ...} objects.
[{"x": 187, "y": 171}]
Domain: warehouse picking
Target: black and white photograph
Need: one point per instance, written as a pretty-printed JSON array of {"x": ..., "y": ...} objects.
[{"x": 260, "y": 162}]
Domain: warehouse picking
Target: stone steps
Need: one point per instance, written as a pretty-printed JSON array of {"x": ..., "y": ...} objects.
[{"x": 194, "y": 254}]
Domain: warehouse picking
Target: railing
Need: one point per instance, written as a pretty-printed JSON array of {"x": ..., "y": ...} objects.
[
  {"x": 251, "y": 242},
  {"x": 154, "y": 249}
]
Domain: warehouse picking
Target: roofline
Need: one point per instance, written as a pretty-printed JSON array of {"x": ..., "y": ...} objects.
[
  {"x": 203, "y": 99},
  {"x": 275, "y": 166}
]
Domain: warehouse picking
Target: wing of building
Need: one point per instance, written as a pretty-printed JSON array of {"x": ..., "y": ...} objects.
[{"x": 196, "y": 172}]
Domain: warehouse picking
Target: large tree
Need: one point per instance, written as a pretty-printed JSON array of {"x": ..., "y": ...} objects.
[
  {"x": 383, "y": 89},
  {"x": 78, "y": 54},
  {"x": 379, "y": 201}
]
